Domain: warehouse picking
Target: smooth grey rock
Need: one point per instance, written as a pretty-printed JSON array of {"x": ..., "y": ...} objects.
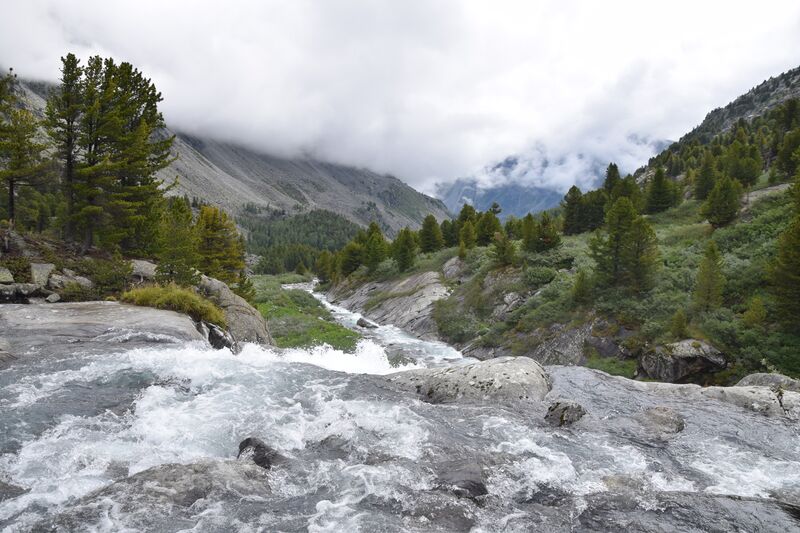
[
  {"x": 564, "y": 413},
  {"x": 168, "y": 497},
  {"x": 101, "y": 327},
  {"x": 254, "y": 449},
  {"x": 462, "y": 477},
  {"x": 8, "y": 491},
  {"x": 681, "y": 360},
  {"x": 245, "y": 322},
  {"x": 218, "y": 337},
  {"x": 143, "y": 271},
  {"x": 410, "y": 309},
  {"x": 662, "y": 422},
  {"x": 52, "y": 298},
  {"x": 58, "y": 282},
  {"x": 559, "y": 344},
  {"x": 40, "y": 273},
  {"x": 773, "y": 381},
  {"x": 364, "y": 323},
  {"x": 505, "y": 379},
  {"x": 19, "y": 292},
  {"x": 5, "y": 275},
  {"x": 453, "y": 268}
]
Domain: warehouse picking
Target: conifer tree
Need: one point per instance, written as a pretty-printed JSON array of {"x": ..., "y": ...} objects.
[
  {"x": 612, "y": 178},
  {"x": 628, "y": 188},
  {"x": 20, "y": 155},
  {"x": 351, "y": 257},
  {"x": 706, "y": 177},
  {"x": 405, "y": 249},
  {"x": 462, "y": 250},
  {"x": 375, "y": 251},
  {"x": 467, "y": 214},
  {"x": 678, "y": 325},
  {"x": 177, "y": 244},
  {"x": 323, "y": 266},
  {"x": 547, "y": 236},
  {"x": 430, "y": 235},
  {"x": 503, "y": 251},
  {"x": 530, "y": 233},
  {"x": 640, "y": 255},
  {"x": 467, "y": 236},
  {"x": 572, "y": 211},
  {"x": 707, "y": 294},
  {"x": 593, "y": 210},
  {"x": 62, "y": 121},
  {"x": 722, "y": 204},
  {"x": 581, "y": 288},
  {"x": 785, "y": 272},
  {"x": 660, "y": 193},
  {"x": 756, "y": 313},
  {"x": 488, "y": 225},
  {"x": 220, "y": 249},
  {"x": 449, "y": 233}
]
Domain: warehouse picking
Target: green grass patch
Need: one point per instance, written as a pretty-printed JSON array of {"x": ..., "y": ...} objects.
[
  {"x": 611, "y": 365},
  {"x": 380, "y": 297},
  {"x": 177, "y": 299}
]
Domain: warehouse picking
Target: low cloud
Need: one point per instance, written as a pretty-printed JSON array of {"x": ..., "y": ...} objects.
[{"x": 427, "y": 91}]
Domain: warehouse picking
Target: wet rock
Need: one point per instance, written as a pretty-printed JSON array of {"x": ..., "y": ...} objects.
[
  {"x": 660, "y": 422},
  {"x": 681, "y": 360},
  {"x": 53, "y": 298},
  {"x": 219, "y": 338},
  {"x": 5, "y": 275},
  {"x": 463, "y": 477},
  {"x": 245, "y": 322},
  {"x": 256, "y": 450},
  {"x": 564, "y": 413},
  {"x": 170, "y": 497},
  {"x": 143, "y": 271},
  {"x": 773, "y": 381},
  {"x": 40, "y": 273},
  {"x": 505, "y": 379},
  {"x": 9, "y": 491},
  {"x": 406, "y": 303},
  {"x": 59, "y": 281},
  {"x": 364, "y": 323}
]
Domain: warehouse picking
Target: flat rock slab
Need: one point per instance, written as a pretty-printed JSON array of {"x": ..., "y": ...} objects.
[
  {"x": 61, "y": 328},
  {"x": 505, "y": 379},
  {"x": 773, "y": 381}
]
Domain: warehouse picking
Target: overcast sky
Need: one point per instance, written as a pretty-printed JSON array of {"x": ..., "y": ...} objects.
[{"x": 427, "y": 90}]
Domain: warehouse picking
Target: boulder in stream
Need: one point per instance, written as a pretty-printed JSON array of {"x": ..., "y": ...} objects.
[
  {"x": 564, "y": 413},
  {"x": 364, "y": 323},
  {"x": 256, "y": 450}
]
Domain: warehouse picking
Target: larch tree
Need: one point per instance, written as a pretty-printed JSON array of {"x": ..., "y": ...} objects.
[
  {"x": 572, "y": 211},
  {"x": 785, "y": 271},
  {"x": 430, "y": 235},
  {"x": 467, "y": 236},
  {"x": 709, "y": 284},
  {"x": 660, "y": 193},
  {"x": 488, "y": 225},
  {"x": 723, "y": 202},
  {"x": 21, "y": 155},
  {"x": 220, "y": 249},
  {"x": 405, "y": 249},
  {"x": 612, "y": 178},
  {"x": 178, "y": 245},
  {"x": 706, "y": 177}
]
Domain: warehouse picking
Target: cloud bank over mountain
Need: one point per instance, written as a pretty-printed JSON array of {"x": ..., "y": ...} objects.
[{"x": 428, "y": 91}]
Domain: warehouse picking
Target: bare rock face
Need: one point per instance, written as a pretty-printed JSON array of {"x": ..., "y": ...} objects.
[
  {"x": 773, "y": 381},
  {"x": 453, "y": 268},
  {"x": 244, "y": 321},
  {"x": 504, "y": 379},
  {"x": 406, "y": 303},
  {"x": 40, "y": 273},
  {"x": 680, "y": 360}
]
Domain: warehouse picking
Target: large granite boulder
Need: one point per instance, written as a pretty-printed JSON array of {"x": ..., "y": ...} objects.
[
  {"x": 143, "y": 271},
  {"x": 245, "y": 322},
  {"x": 20, "y": 292},
  {"x": 564, "y": 413},
  {"x": 773, "y": 381},
  {"x": 58, "y": 281},
  {"x": 511, "y": 380},
  {"x": 40, "y": 273},
  {"x": 679, "y": 361}
]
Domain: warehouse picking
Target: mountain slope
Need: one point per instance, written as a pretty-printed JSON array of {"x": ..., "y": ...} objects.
[{"x": 231, "y": 176}]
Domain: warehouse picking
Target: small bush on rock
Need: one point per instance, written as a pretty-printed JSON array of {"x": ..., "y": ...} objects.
[{"x": 177, "y": 299}]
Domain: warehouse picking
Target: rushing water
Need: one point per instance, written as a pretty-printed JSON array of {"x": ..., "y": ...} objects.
[{"x": 358, "y": 455}]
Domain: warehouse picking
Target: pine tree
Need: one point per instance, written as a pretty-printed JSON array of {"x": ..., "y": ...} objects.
[
  {"x": 462, "y": 250},
  {"x": 756, "y": 313},
  {"x": 572, "y": 211},
  {"x": 530, "y": 233},
  {"x": 660, "y": 193},
  {"x": 323, "y": 266},
  {"x": 449, "y": 233},
  {"x": 220, "y": 249},
  {"x": 547, "y": 236},
  {"x": 351, "y": 257},
  {"x": 722, "y": 204},
  {"x": 430, "y": 235},
  {"x": 21, "y": 155},
  {"x": 581, "y": 288},
  {"x": 62, "y": 121},
  {"x": 785, "y": 272},
  {"x": 405, "y": 249},
  {"x": 627, "y": 188},
  {"x": 488, "y": 225},
  {"x": 612, "y": 178},
  {"x": 593, "y": 210},
  {"x": 706, "y": 177},
  {"x": 467, "y": 214},
  {"x": 502, "y": 251},
  {"x": 177, "y": 244},
  {"x": 678, "y": 325},
  {"x": 640, "y": 255},
  {"x": 375, "y": 251},
  {"x": 467, "y": 237},
  {"x": 707, "y": 294}
]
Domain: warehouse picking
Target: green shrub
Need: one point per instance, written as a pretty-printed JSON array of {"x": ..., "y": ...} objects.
[
  {"x": 20, "y": 268},
  {"x": 110, "y": 276},
  {"x": 177, "y": 299},
  {"x": 536, "y": 276},
  {"x": 75, "y": 292},
  {"x": 453, "y": 323}
]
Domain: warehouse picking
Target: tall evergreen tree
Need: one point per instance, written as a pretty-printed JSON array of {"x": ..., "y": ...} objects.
[
  {"x": 661, "y": 193},
  {"x": 640, "y": 255},
  {"x": 467, "y": 236},
  {"x": 220, "y": 249},
  {"x": 707, "y": 294},
  {"x": 785, "y": 271},
  {"x": 593, "y": 210},
  {"x": 488, "y": 225},
  {"x": 62, "y": 120},
  {"x": 449, "y": 233},
  {"x": 547, "y": 236},
  {"x": 430, "y": 235},
  {"x": 503, "y": 251},
  {"x": 723, "y": 202},
  {"x": 21, "y": 155},
  {"x": 706, "y": 177},
  {"x": 530, "y": 233},
  {"x": 323, "y": 267},
  {"x": 375, "y": 250},
  {"x": 612, "y": 178},
  {"x": 351, "y": 257},
  {"x": 177, "y": 244},
  {"x": 405, "y": 249},
  {"x": 572, "y": 211},
  {"x": 628, "y": 188}
]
